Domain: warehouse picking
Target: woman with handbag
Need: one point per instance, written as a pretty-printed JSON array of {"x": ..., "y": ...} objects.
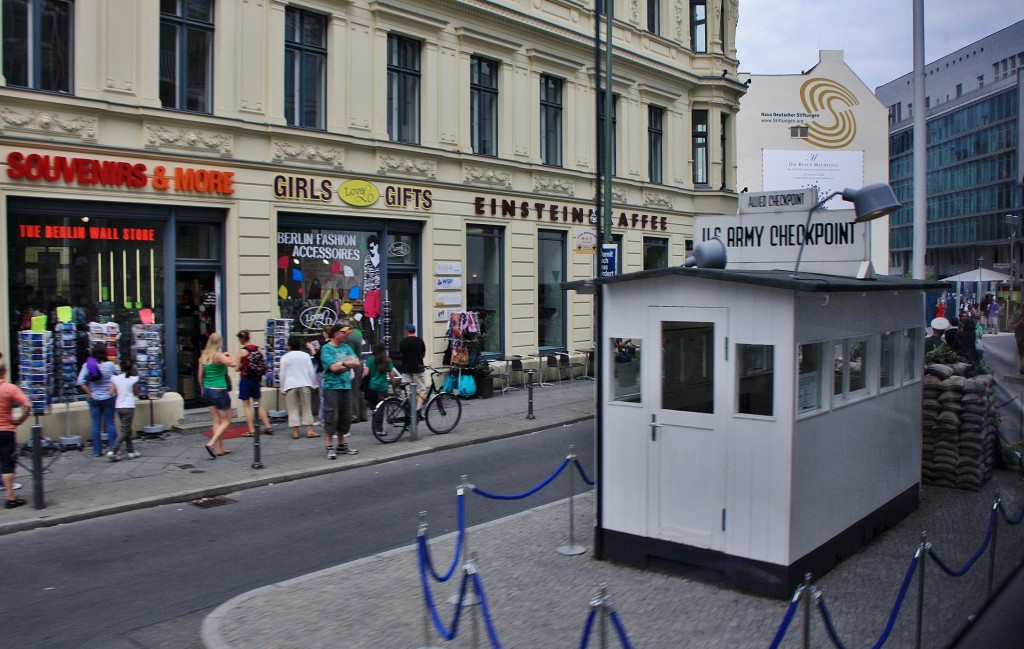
[{"x": 216, "y": 383}]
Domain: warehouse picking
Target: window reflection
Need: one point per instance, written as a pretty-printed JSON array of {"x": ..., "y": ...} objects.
[
  {"x": 756, "y": 379},
  {"x": 810, "y": 360},
  {"x": 688, "y": 364},
  {"x": 626, "y": 369}
]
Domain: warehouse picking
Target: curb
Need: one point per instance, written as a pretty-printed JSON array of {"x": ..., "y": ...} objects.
[{"x": 255, "y": 482}]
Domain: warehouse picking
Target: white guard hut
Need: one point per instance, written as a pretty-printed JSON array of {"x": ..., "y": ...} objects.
[{"x": 766, "y": 433}]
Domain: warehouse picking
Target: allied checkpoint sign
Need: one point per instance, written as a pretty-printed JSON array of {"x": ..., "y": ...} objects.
[{"x": 767, "y": 233}]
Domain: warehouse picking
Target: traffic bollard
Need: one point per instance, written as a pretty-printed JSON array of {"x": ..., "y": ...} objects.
[
  {"x": 414, "y": 434},
  {"x": 256, "y": 461},
  {"x": 37, "y": 466},
  {"x": 529, "y": 392}
]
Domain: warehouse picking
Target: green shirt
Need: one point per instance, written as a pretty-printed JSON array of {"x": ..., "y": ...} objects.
[
  {"x": 378, "y": 380},
  {"x": 329, "y": 355},
  {"x": 215, "y": 376}
]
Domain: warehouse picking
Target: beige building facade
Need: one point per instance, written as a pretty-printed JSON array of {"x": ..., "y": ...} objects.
[{"x": 222, "y": 162}]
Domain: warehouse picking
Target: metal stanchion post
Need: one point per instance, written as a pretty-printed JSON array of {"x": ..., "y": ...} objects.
[
  {"x": 602, "y": 630},
  {"x": 807, "y": 611},
  {"x": 470, "y": 571},
  {"x": 572, "y": 549},
  {"x": 422, "y": 531},
  {"x": 922, "y": 552},
  {"x": 992, "y": 549},
  {"x": 470, "y": 599},
  {"x": 256, "y": 461},
  {"x": 529, "y": 392},
  {"x": 414, "y": 413},
  {"x": 37, "y": 465}
]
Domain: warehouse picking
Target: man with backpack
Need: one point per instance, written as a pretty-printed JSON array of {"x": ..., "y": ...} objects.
[{"x": 252, "y": 367}]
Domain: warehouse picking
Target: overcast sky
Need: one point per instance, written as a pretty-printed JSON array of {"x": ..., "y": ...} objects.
[{"x": 784, "y": 36}]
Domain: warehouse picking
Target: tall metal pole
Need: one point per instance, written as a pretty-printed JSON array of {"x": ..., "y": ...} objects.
[
  {"x": 609, "y": 144},
  {"x": 920, "y": 132}
]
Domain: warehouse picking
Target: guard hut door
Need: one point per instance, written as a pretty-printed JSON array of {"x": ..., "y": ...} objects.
[{"x": 686, "y": 434}]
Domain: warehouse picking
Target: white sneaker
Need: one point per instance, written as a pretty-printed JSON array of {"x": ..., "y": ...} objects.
[
  {"x": 112, "y": 456},
  {"x": 16, "y": 486},
  {"x": 332, "y": 454},
  {"x": 133, "y": 455}
]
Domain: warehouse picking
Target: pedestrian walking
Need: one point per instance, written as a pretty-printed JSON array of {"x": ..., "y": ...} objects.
[
  {"x": 94, "y": 381},
  {"x": 314, "y": 346},
  {"x": 413, "y": 350},
  {"x": 298, "y": 378},
  {"x": 10, "y": 396},
  {"x": 213, "y": 376},
  {"x": 126, "y": 385},
  {"x": 993, "y": 316},
  {"x": 338, "y": 361},
  {"x": 357, "y": 403},
  {"x": 252, "y": 367}
]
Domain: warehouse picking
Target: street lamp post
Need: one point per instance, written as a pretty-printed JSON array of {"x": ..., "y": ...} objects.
[
  {"x": 977, "y": 296},
  {"x": 1013, "y": 221}
]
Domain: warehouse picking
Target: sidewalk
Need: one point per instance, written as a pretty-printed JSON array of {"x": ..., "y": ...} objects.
[
  {"x": 176, "y": 468},
  {"x": 540, "y": 598}
]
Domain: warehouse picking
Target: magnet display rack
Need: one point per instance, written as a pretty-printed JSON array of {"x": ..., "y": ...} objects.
[
  {"x": 65, "y": 362},
  {"x": 35, "y": 368},
  {"x": 277, "y": 333},
  {"x": 148, "y": 350}
]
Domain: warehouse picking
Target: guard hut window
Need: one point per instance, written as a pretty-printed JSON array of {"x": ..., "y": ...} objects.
[
  {"x": 851, "y": 367},
  {"x": 186, "y": 55},
  {"x": 911, "y": 354},
  {"x": 810, "y": 378},
  {"x": 756, "y": 378},
  {"x": 305, "y": 68},
  {"x": 625, "y": 355},
  {"x": 688, "y": 365},
  {"x": 887, "y": 359},
  {"x": 37, "y": 44}
]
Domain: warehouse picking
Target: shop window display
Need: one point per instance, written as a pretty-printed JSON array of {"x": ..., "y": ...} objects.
[{"x": 104, "y": 269}]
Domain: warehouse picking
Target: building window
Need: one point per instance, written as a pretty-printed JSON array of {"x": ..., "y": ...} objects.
[
  {"x": 756, "y": 377},
  {"x": 655, "y": 134},
  {"x": 655, "y": 253},
  {"x": 724, "y": 139},
  {"x": 850, "y": 369},
  {"x": 403, "y": 89},
  {"x": 654, "y": 16},
  {"x": 626, "y": 377},
  {"x": 699, "y": 139},
  {"x": 550, "y": 121},
  {"x": 37, "y": 44},
  {"x": 485, "y": 284},
  {"x": 911, "y": 345},
  {"x": 305, "y": 68},
  {"x": 550, "y": 296},
  {"x": 810, "y": 377},
  {"x": 699, "y": 26},
  {"x": 887, "y": 360},
  {"x": 483, "y": 108},
  {"x": 612, "y": 153},
  {"x": 186, "y": 55}
]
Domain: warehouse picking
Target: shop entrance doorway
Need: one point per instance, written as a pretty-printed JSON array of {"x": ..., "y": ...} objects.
[
  {"x": 402, "y": 294},
  {"x": 197, "y": 296}
]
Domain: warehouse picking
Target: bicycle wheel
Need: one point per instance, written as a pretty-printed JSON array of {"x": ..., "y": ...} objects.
[
  {"x": 443, "y": 413},
  {"x": 390, "y": 419}
]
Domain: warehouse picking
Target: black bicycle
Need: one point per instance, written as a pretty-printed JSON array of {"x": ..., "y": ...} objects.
[{"x": 393, "y": 416}]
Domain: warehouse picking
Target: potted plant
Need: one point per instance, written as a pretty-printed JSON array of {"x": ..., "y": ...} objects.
[{"x": 482, "y": 375}]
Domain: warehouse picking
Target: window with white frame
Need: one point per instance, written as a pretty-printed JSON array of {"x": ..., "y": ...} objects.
[
  {"x": 850, "y": 369},
  {"x": 37, "y": 47},
  {"x": 810, "y": 393},
  {"x": 912, "y": 355},
  {"x": 887, "y": 350}
]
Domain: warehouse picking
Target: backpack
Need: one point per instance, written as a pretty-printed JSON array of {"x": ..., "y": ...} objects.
[{"x": 255, "y": 365}]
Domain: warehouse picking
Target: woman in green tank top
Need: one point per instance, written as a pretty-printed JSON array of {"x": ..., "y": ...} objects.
[{"x": 213, "y": 377}]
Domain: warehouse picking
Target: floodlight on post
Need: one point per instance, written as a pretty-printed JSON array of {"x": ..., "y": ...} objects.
[{"x": 869, "y": 203}]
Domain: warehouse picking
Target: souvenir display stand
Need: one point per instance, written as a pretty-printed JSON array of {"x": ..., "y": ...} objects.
[
  {"x": 65, "y": 343},
  {"x": 148, "y": 350},
  {"x": 35, "y": 367},
  {"x": 463, "y": 329},
  {"x": 277, "y": 333}
]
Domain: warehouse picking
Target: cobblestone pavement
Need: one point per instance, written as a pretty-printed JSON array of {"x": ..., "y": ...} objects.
[{"x": 539, "y": 598}]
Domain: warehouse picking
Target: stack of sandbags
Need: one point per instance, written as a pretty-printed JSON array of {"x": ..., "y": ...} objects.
[{"x": 958, "y": 428}]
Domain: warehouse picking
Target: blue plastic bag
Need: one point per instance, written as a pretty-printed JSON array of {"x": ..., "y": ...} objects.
[
  {"x": 449, "y": 384},
  {"x": 467, "y": 385}
]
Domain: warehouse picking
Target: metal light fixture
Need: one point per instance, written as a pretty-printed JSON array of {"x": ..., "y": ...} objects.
[{"x": 869, "y": 202}]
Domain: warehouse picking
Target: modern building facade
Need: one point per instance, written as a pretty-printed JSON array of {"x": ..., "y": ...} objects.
[
  {"x": 219, "y": 162},
  {"x": 973, "y": 98},
  {"x": 821, "y": 129}
]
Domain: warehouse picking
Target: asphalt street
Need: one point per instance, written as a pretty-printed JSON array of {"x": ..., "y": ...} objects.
[{"x": 144, "y": 579}]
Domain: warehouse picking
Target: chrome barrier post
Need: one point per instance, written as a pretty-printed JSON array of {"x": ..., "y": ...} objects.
[
  {"x": 529, "y": 391},
  {"x": 807, "y": 612},
  {"x": 471, "y": 599},
  {"x": 572, "y": 549},
  {"x": 922, "y": 552},
  {"x": 992, "y": 549},
  {"x": 599, "y": 601},
  {"x": 422, "y": 531}
]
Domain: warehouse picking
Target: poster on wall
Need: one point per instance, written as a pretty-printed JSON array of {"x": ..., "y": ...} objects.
[{"x": 826, "y": 171}]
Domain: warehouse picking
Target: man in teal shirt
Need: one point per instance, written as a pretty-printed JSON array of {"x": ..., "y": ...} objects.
[{"x": 338, "y": 360}]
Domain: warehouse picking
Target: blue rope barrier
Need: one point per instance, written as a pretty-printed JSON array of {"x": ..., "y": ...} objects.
[
  {"x": 583, "y": 474},
  {"x": 897, "y": 605},
  {"x": 458, "y": 545},
  {"x": 787, "y": 618},
  {"x": 620, "y": 628},
  {"x": 1002, "y": 405},
  {"x": 1006, "y": 516},
  {"x": 438, "y": 623},
  {"x": 554, "y": 475},
  {"x": 977, "y": 555},
  {"x": 488, "y": 622},
  {"x": 587, "y": 628}
]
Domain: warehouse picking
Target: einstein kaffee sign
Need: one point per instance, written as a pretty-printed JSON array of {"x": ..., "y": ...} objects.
[{"x": 770, "y": 228}]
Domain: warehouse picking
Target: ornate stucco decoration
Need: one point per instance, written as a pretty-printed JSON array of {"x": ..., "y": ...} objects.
[
  {"x": 657, "y": 199},
  {"x": 679, "y": 20},
  {"x": 618, "y": 195},
  {"x": 393, "y": 164},
  {"x": 487, "y": 176},
  {"x": 308, "y": 154},
  {"x": 553, "y": 185},
  {"x": 161, "y": 137},
  {"x": 48, "y": 123}
]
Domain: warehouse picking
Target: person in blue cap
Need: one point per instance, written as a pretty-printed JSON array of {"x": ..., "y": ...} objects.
[{"x": 412, "y": 350}]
